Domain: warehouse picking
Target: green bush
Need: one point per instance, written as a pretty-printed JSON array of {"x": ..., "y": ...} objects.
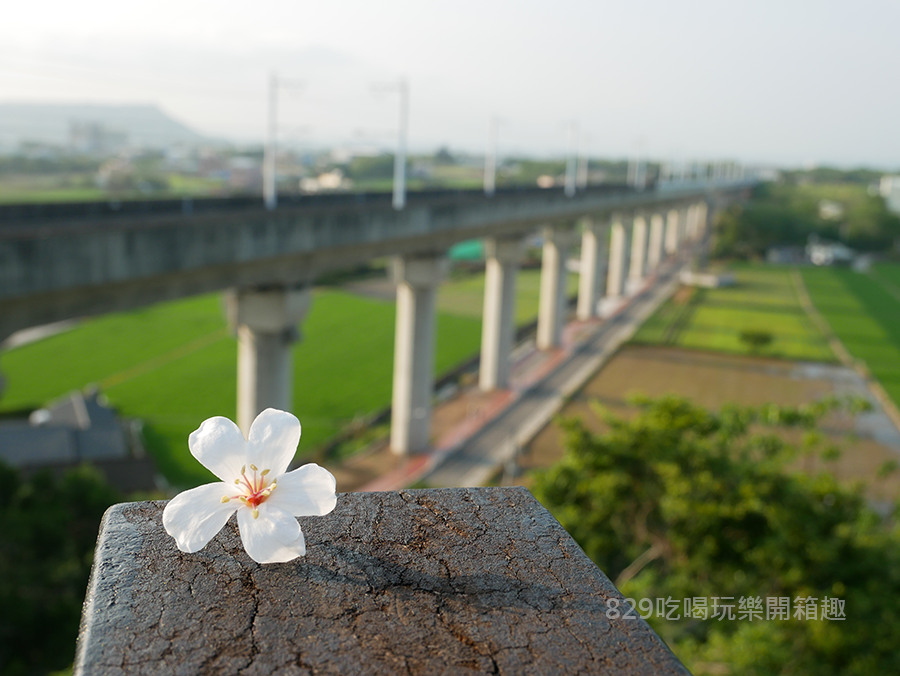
[
  {"x": 756, "y": 340},
  {"x": 681, "y": 502}
]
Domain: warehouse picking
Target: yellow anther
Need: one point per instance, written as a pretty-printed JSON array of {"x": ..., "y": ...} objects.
[
  {"x": 243, "y": 469},
  {"x": 237, "y": 481},
  {"x": 253, "y": 467},
  {"x": 255, "y": 513},
  {"x": 225, "y": 499},
  {"x": 265, "y": 471}
]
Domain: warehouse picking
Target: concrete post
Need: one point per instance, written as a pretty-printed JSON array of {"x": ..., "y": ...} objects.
[
  {"x": 266, "y": 322},
  {"x": 672, "y": 239},
  {"x": 656, "y": 247},
  {"x": 417, "y": 279},
  {"x": 411, "y": 581},
  {"x": 618, "y": 265},
  {"x": 552, "y": 302},
  {"x": 638, "y": 248},
  {"x": 502, "y": 257},
  {"x": 591, "y": 282}
]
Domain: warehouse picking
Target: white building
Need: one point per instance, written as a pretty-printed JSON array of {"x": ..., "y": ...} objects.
[{"x": 890, "y": 190}]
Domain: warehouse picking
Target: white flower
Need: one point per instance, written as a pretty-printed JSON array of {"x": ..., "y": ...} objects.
[{"x": 254, "y": 484}]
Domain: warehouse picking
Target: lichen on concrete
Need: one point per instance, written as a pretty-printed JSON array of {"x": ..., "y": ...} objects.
[{"x": 447, "y": 581}]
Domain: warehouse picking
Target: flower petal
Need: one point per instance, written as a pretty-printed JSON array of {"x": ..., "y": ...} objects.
[
  {"x": 273, "y": 537},
  {"x": 274, "y": 436},
  {"x": 220, "y": 447},
  {"x": 195, "y": 516},
  {"x": 307, "y": 491}
]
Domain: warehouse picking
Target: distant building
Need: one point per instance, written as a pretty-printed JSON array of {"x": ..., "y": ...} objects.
[
  {"x": 330, "y": 180},
  {"x": 95, "y": 138},
  {"x": 79, "y": 428},
  {"x": 830, "y": 210},
  {"x": 890, "y": 190},
  {"x": 786, "y": 255},
  {"x": 116, "y": 173},
  {"x": 706, "y": 280},
  {"x": 244, "y": 173},
  {"x": 829, "y": 253}
]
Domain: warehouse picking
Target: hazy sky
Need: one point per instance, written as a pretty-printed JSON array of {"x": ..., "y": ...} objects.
[{"x": 784, "y": 81}]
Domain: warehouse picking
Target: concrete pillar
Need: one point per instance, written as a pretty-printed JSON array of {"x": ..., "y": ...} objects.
[
  {"x": 417, "y": 280},
  {"x": 683, "y": 215},
  {"x": 702, "y": 219},
  {"x": 692, "y": 216},
  {"x": 618, "y": 264},
  {"x": 502, "y": 257},
  {"x": 591, "y": 283},
  {"x": 266, "y": 323},
  {"x": 656, "y": 246},
  {"x": 672, "y": 239},
  {"x": 552, "y": 302},
  {"x": 639, "y": 236}
]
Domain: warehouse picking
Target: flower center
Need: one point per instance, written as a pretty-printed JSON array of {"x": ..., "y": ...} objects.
[{"x": 254, "y": 491}]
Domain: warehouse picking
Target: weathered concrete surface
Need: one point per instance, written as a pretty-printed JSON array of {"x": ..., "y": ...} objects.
[{"x": 450, "y": 581}]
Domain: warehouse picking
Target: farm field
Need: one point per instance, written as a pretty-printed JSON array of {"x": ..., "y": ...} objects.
[
  {"x": 174, "y": 364},
  {"x": 764, "y": 299},
  {"x": 710, "y": 379},
  {"x": 863, "y": 310}
]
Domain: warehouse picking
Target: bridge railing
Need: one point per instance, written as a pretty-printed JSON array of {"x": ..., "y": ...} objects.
[{"x": 17, "y": 214}]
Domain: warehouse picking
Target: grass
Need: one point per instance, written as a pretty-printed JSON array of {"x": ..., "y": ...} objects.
[
  {"x": 864, "y": 312},
  {"x": 174, "y": 365},
  {"x": 712, "y": 319},
  {"x": 464, "y": 295},
  {"x": 15, "y": 195}
]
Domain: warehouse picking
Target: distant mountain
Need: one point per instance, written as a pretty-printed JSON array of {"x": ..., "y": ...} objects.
[{"x": 142, "y": 126}]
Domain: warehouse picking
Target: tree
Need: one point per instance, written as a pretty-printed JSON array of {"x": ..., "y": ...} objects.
[
  {"x": 682, "y": 502},
  {"x": 756, "y": 339},
  {"x": 787, "y": 214},
  {"x": 48, "y": 529},
  {"x": 443, "y": 156}
]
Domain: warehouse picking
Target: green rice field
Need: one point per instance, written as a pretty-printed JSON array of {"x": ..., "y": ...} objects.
[
  {"x": 174, "y": 365},
  {"x": 863, "y": 310},
  {"x": 764, "y": 299}
]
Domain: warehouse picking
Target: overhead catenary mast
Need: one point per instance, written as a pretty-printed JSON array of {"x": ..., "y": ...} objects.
[
  {"x": 399, "y": 200},
  {"x": 571, "y": 159},
  {"x": 490, "y": 158},
  {"x": 582, "y": 174},
  {"x": 270, "y": 194},
  {"x": 401, "y": 87},
  {"x": 270, "y": 150}
]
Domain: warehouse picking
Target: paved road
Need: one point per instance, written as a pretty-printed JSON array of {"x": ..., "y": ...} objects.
[{"x": 480, "y": 457}]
